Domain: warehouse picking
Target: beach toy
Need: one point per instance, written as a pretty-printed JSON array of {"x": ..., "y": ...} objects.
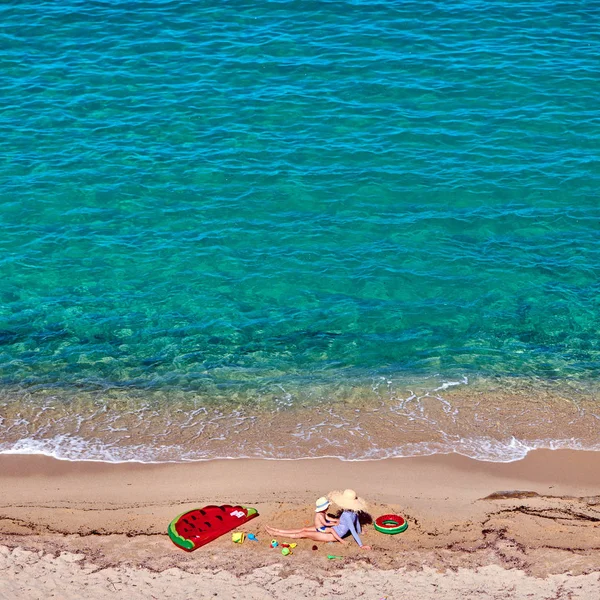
[
  {"x": 293, "y": 545},
  {"x": 238, "y": 537},
  {"x": 283, "y": 545},
  {"x": 332, "y": 556},
  {"x": 391, "y": 524},
  {"x": 200, "y": 526},
  {"x": 286, "y": 551},
  {"x": 252, "y": 537},
  {"x": 274, "y": 543}
]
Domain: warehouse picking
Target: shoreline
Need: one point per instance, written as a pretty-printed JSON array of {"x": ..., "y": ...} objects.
[
  {"x": 492, "y": 421},
  {"x": 538, "y": 517},
  {"x": 557, "y": 446}
]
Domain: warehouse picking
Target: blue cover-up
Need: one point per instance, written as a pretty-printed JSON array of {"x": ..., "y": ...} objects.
[{"x": 349, "y": 523}]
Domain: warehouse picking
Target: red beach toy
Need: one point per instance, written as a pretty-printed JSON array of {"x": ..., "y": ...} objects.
[
  {"x": 390, "y": 524},
  {"x": 200, "y": 526}
]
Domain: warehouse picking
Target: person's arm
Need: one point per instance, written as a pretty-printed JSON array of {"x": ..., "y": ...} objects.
[
  {"x": 321, "y": 521},
  {"x": 359, "y": 529},
  {"x": 352, "y": 525}
]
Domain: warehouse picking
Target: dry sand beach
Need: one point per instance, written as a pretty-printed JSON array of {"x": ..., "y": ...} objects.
[{"x": 527, "y": 529}]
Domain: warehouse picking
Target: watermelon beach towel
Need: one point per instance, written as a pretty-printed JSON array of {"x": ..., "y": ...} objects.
[{"x": 200, "y": 526}]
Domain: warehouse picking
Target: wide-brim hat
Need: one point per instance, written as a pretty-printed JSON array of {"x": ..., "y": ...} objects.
[{"x": 347, "y": 499}]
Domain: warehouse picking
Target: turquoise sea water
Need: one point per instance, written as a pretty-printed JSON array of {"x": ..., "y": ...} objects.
[{"x": 240, "y": 201}]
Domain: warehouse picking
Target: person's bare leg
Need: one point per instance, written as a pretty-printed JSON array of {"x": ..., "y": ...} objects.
[
  {"x": 304, "y": 529},
  {"x": 309, "y": 529},
  {"x": 294, "y": 534}
]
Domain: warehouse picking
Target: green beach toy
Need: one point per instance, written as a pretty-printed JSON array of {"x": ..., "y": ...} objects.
[
  {"x": 390, "y": 524},
  {"x": 332, "y": 556}
]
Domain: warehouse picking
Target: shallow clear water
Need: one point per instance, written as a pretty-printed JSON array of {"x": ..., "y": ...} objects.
[{"x": 278, "y": 204}]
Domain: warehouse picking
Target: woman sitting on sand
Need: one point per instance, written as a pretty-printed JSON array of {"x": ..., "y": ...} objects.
[{"x": 351, "y": 504}]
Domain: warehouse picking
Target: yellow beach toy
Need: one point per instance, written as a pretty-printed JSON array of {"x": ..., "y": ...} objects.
[{"x": 238, "y": 537}]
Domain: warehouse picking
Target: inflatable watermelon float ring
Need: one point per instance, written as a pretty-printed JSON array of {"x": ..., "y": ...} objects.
[
  {"x": 200, "y": 526},
  {"x": 391, "y": 524}
]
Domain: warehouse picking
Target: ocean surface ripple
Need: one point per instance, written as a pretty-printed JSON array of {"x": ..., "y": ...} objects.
[{"x": 272, "y": 205}]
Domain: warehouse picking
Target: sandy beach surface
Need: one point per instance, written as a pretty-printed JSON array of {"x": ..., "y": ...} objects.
[{"x": 527, "y": 529}]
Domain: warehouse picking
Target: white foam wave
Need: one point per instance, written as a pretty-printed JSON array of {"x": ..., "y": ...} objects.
[
  {"x": 73, "y": 448},
  {"x": 398, "y": 426}
]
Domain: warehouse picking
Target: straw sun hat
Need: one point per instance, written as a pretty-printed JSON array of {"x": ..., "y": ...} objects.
[{"x": 347, "y": 500}]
